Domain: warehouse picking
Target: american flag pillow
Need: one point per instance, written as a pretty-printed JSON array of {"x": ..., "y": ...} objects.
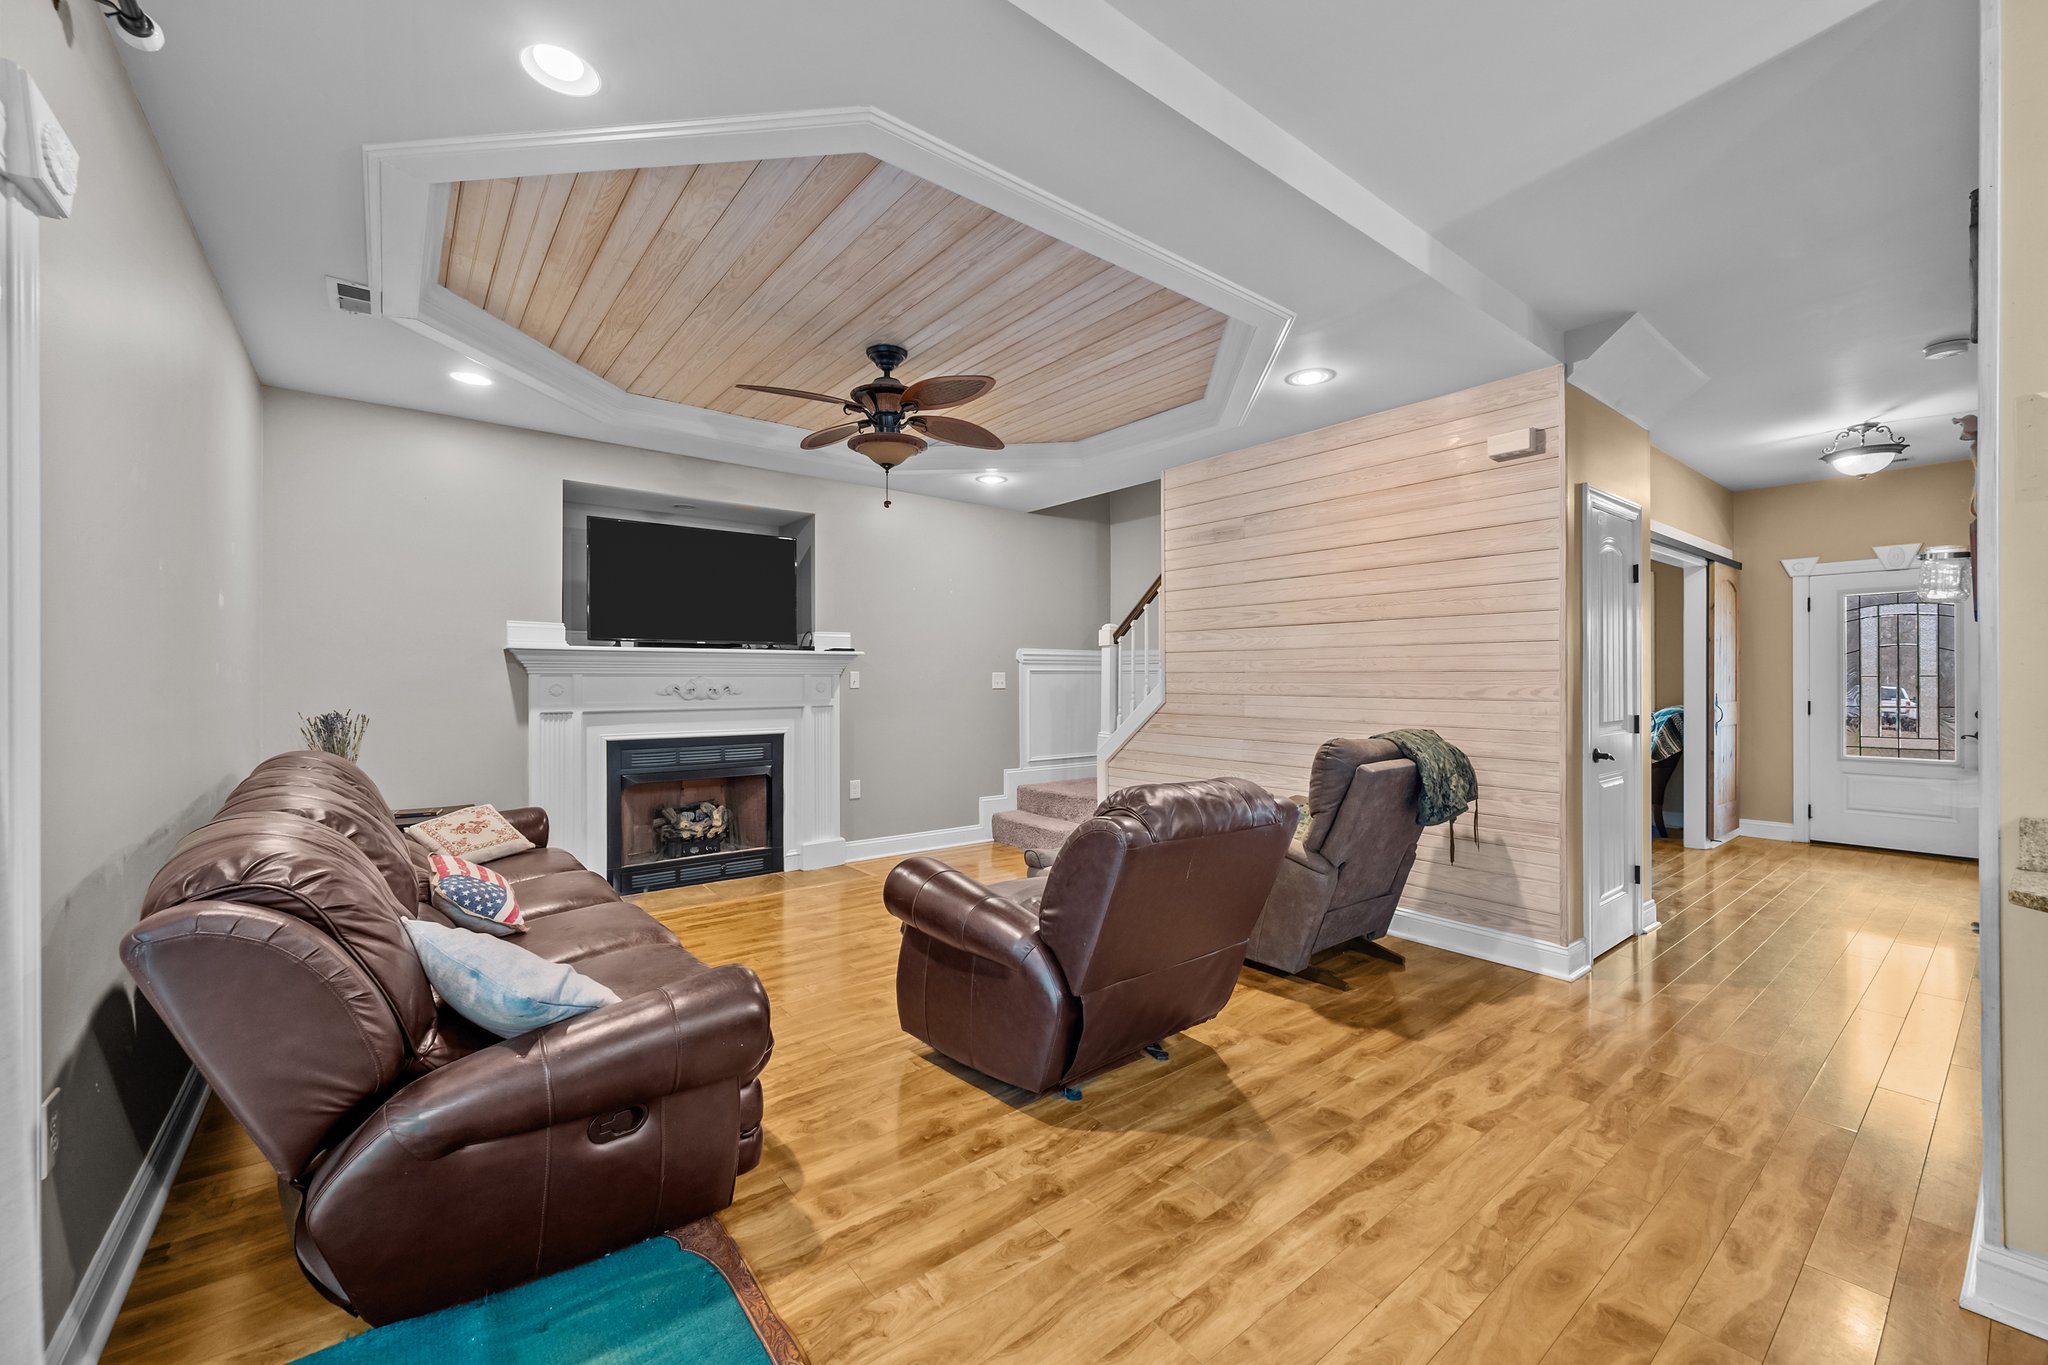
[{"x": 474, "y": 897}]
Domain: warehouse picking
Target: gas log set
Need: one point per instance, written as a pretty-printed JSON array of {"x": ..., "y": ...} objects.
[{"x": 680, "y": 831}]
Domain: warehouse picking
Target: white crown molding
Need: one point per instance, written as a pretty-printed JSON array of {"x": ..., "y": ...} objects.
[
  {"x": 1896, "y": 556},
  {"x": 405, "y": 193}
]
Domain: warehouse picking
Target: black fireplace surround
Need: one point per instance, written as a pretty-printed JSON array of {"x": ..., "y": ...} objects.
[{"x": 741, "y": 775}]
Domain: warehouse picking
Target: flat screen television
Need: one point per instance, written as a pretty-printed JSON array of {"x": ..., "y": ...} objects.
[{"x": 684, "y": 585}]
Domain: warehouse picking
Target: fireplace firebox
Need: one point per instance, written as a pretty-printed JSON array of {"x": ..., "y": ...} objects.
[{"x": 685, "y": 811}]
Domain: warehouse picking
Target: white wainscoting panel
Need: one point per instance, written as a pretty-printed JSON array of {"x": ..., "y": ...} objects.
[{"x": 1059, "y": 702}]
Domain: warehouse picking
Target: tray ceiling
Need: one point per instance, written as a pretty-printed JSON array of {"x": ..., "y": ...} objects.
[{"x": 678, "y": 282}]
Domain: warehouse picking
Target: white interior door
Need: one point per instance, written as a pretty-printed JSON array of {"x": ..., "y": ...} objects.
[
  {"x": 1610, "y": 571},
  {"x": 1893, "y": 756}
]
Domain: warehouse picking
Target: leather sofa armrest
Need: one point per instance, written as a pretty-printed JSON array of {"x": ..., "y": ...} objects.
[
  {"x": 959, "y": 911},
  {"x": 712, "y": 1027},
  {"x": 530, "y": 821}
]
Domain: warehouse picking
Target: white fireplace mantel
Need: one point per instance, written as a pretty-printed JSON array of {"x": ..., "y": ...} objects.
[{"x": 579, "y": 698}]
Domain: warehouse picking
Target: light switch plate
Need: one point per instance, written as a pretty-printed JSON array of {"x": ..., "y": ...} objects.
[
  {"x": 999, "y": 680},
  {"x": 853, "y": 678},
  {"x": 853, "y": 789}
]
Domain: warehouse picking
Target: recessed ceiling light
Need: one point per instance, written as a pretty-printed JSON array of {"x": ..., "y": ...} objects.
[
  {"x": 991, "y": 477},
  {"x": 560, "y": 69},
  {"x": 1304, "y": 378},
  {"x": 474, "y": 378},
  {"x": 1944, "y": 348}
]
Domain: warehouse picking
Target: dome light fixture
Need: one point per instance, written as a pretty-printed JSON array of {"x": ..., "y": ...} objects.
[
  {"x": 1863, "y": 448},
  {"x": 1944, "y": 348},
  {"x": 560, "y": 70},
  {"x": 476, "y": 379},
  {"x": 991, "y": 477},
  {"x": 1318, "y": 374}
]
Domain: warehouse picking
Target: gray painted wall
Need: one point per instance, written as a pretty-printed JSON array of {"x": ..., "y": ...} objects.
[
  {"x": 1133, "y": 546},
  {"x": 150, "y": 468},
  {"x": 403, "y": 542}
]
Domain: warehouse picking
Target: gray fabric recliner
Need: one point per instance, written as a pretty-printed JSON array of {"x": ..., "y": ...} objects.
[{"x": 1343, "y": 879}]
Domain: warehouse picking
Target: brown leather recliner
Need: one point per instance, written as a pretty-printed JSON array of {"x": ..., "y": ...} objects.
[
  {"x": 424, "y": 1162},
  {"x": 1343, "y": 879},
  {"x": 1137, "y": 933}
]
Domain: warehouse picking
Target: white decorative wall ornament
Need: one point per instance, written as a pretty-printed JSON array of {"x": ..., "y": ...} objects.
[
  {"x": 39, "y": 158},
  {"x": 1896, "y": 556},
  {"x": 1799, "y": 568},
  {"x": 699, "y": 689}
]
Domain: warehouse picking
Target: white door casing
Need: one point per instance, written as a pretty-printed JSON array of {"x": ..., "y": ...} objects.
[
  {"x": 1610, "y": 680},
  {"x": 1916, "y": 804}
]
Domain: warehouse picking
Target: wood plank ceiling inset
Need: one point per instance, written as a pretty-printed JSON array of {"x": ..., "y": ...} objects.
[{"x": 678, "y": 282}]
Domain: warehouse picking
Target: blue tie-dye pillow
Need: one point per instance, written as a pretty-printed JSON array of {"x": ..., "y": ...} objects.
[{"x": 496, "y": 984}]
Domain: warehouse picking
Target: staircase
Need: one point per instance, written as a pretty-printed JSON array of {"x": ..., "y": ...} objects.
[
  {"x": 1133, "y": 687},
  {"x": 1047, "y": 812}
]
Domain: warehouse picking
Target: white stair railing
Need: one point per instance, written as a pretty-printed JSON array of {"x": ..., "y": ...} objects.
[{"x": 1133, "y": 677}]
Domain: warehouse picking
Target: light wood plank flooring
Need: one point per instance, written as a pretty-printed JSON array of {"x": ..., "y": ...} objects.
[{"x": 1750, "y": 1137}]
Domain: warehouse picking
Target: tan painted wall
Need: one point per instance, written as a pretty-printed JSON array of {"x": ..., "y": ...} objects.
[
  {"x": 1682, "y": 497},
  {"x": 1837, "y": 519},
  {"x": 2022, "y": 208},
  {"x": 1666, "y": 641},
  {"x": 1372, "y": 575}
]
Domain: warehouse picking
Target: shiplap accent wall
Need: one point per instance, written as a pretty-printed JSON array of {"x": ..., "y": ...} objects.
[{"x": 1382, "y": 574}]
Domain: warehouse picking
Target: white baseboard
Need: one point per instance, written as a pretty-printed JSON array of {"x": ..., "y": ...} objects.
[
  {"x": 1646, "y": 918},
  {"x": 89, "y": 1318},
  {"x": 817, "y": 853},
  {"x": 2005, "y": 1285},
  {"x": 924, "y": 841},
  {"x": 1566, "y": 962},
  {"x": 1783, "y": 831},
  {"x": 1013, "y": 778}
]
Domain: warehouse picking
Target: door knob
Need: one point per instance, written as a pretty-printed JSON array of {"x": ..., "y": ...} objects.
[{"x": 1602, "y": 756}]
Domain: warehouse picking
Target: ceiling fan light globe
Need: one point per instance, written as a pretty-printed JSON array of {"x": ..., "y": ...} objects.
[
  {"x": 886, "y": 448},
  {"x": 1856, "y": 463}
]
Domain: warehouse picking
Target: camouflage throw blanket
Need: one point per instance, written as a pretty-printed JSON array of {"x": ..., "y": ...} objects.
[
  {"x": 1448, "y": 783},
  {"x": 1667, "y": 733}
]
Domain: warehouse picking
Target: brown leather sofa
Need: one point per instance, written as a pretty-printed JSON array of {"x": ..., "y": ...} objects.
[
  {"x": 1343, "y": 879},
  {"x": 1138, "y": 932},
  {"x": 424, "y": 1162}
]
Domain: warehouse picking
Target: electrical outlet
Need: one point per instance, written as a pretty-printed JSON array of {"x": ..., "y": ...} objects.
[
  {"x": 47, "y": 1153},
  {"x": 853, "y": 678},
  {"x": 853, "y": 789},
  {"x": 999, "y": 680}
]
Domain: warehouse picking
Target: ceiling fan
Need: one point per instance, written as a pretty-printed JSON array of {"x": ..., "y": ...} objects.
[{"x": 895, "y": 420}]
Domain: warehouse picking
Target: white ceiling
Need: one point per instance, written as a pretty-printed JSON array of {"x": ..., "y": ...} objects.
[{"x": 1777, "y": 188}]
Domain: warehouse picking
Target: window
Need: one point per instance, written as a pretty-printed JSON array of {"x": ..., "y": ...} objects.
[{"x": 1898, "y": 677}]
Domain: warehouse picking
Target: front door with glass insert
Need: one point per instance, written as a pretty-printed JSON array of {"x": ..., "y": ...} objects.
[{"x": 1894, "y": 747}]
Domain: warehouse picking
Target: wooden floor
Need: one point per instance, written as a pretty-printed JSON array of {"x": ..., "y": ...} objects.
[{"x": 1751, "y": 1136}]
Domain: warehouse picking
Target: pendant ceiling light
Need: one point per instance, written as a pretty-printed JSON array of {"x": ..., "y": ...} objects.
[
  {"x": 1864, "y": 448},
  {"x": 1944, "y": 573}
]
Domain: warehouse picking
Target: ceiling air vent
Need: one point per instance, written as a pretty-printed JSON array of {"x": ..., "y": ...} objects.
[{"x": 350, "y": 297}]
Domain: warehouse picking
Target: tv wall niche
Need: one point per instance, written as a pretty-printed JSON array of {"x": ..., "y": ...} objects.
[{"x": 582, "y": 501}]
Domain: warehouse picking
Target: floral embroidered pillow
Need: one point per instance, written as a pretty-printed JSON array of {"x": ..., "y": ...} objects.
[
  {"x": 477, "y": 833},
  {"x": 474, "y": 897}
]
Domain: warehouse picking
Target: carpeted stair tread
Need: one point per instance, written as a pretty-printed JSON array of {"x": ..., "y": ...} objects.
[
  {"x": 1026, "y": 829},
  {"x": 1074, "y": 801}
]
